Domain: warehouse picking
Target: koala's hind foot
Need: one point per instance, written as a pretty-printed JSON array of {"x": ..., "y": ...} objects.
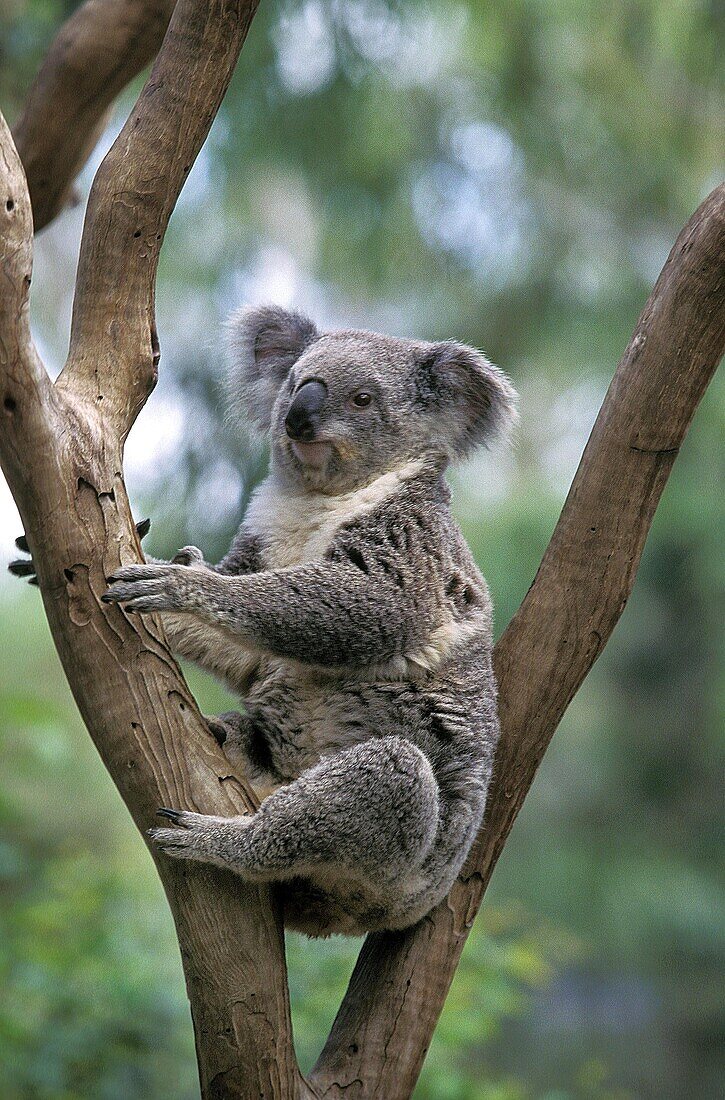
[
  {"x": 367, "y": 815},
  {"x": 197, "y": 836}
]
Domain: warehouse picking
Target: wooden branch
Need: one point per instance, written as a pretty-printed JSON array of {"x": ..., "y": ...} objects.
[
  {"x": 73, "y": 503},
  {"x": 131, "y": 201},
  {"x": 103, "y": 45},
  {"x": 382, "y": 1032},
  {"x": 24, "y": 383}
]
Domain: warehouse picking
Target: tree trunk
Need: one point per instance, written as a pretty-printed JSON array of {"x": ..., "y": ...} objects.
[{"x": 61, "y": 448}]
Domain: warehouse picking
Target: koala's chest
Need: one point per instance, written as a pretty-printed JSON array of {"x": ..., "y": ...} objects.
[
  {"x": 290, "y": 539},
  {"x": 298, "y": 527},
  {"x": 293, "y": 529}
]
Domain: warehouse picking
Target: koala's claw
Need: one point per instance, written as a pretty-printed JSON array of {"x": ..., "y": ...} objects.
[
  {"x": 172, "y": 842},
  {"x": 135, "y": 572},
  {"x": 198, "y": 836},
  {"x": 177, "y": 816},
  {"x": 155, "y": 586},
  {"x": 22, "y": 567},
  {"x": 26, "y": 568}
]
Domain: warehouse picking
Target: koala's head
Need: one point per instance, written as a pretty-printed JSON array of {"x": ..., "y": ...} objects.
[{"x": 343, "y": 407}]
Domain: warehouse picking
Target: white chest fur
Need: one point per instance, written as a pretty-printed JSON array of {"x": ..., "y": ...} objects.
[{"x": 299, "y": 526}]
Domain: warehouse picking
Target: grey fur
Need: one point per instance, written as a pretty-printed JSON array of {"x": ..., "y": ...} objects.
[{"x": 351, "y": 618}]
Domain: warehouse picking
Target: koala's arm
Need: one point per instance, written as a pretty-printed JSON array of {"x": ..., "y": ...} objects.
[{"x": 327, "y": 612}]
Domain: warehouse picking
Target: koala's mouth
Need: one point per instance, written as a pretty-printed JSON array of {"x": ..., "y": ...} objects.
[{"x": 312, "y": 454}]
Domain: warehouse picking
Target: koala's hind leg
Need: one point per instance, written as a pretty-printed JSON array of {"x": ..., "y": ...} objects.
[{"x": 369, "y": 812}]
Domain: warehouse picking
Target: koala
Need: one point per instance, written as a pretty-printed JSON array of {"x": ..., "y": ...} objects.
[{"x": 352, "y": 621}]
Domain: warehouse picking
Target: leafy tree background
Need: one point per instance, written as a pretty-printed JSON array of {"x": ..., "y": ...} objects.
[{"x": 508, "y": 174}]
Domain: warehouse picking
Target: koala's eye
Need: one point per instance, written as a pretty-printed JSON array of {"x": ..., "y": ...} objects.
[{"x": 362, "y": 399}]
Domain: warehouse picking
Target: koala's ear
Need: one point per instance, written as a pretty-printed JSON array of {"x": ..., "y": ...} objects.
[
  {"x": 470, "y": 401},
  {"x": 264, "y": 343}
]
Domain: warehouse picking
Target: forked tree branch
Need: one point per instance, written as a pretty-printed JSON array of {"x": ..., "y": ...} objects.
[
  {"x": 131, "y": 201},
  {"x": 399, "y": 985},
  {"x": 103, "y": 45},
  {"x": 61, "y": 448}
]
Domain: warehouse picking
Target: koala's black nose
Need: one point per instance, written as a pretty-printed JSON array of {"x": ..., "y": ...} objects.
[{"x": 303, "y": 417}]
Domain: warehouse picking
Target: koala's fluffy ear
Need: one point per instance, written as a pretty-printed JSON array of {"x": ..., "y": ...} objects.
[
  {"x": 470, "y": 400},
  {"x": 264, "y": 343}
]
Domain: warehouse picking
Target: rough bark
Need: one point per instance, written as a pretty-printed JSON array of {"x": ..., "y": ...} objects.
[
  {"x": 103, "y": 45},
  {"x": 61, "y": 448}
]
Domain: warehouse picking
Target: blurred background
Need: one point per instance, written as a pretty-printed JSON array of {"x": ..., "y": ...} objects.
[{"x": 512, "y": 175}]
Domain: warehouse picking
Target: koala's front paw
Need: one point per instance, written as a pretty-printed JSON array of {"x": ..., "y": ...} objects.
[
  {"x": 201, "y": 837},
  {"x": 152, "y": 587}
]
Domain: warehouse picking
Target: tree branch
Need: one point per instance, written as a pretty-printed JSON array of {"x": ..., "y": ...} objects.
[
  {"x": 103, "y": 45},
  {"x": 24, "y": 385},
  {"x": 75, "y": 512},
  {"x": 399, "y": 985},
  {"x": 131, "y": 201}
]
